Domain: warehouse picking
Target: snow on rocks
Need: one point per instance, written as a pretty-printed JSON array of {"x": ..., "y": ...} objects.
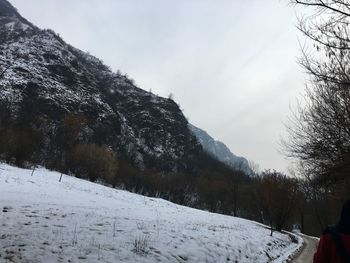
[{"x": 43, "y": 220}]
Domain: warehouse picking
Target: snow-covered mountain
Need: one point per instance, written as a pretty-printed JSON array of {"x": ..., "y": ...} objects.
[
  {"x": 43, "y": 78},
  {"x": 44, "y": 220},
  {"x": 220, "y": 150}
]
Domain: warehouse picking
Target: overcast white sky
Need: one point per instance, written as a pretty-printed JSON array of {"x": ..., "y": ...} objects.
[{"x": 231, "y": 64}]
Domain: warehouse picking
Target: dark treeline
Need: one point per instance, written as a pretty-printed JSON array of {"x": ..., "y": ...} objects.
[{"x": 67, "y": 146}]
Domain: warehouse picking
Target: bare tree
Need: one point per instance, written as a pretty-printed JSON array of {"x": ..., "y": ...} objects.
[
  {"x": 339, "y": 7},
  {"x": 319, "y": 131},
  {"x": 275, "y": 196},
  {"x": 254, "y": 166}
]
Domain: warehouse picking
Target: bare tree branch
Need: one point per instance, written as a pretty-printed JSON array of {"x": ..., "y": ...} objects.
[
  {"x": 4, "y": 71},
  {"x": 327, "y": 5}
]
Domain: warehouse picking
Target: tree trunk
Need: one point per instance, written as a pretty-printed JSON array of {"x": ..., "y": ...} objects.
[{"x": 33, "y": 171}]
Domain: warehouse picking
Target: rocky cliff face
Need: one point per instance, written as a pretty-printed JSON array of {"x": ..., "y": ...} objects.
[
  {"x": 220, "y": 151},
  {"x": 45, "y": 78}
]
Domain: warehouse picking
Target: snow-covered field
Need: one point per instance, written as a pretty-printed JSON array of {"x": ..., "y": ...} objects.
[{"x": 43, "y": 220}]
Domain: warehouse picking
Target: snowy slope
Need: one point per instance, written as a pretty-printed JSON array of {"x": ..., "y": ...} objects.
[{"x": 43, "y": 220}]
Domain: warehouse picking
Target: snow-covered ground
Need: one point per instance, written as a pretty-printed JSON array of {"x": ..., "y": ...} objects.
[{"x": 44, "y": 220}]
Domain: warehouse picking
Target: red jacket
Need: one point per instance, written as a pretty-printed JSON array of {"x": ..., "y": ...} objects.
[{"x": 327, "y": 251}]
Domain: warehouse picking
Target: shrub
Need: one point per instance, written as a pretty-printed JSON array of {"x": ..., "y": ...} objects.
[
  {"x": 19, "y": 144},
  {"x": 93, "y": 161},
  {"x": 141, "y": 245}
]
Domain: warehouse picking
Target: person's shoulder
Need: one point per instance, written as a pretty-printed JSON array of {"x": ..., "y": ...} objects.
[
  {"x": 328, "y": 234},
  {"x": 329, "y": 230}
]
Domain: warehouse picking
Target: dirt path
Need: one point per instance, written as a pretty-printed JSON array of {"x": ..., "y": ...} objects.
[{"x": 307, "y": 253}]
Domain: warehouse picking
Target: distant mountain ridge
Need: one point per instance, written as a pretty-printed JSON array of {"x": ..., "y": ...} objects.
[
  {"x": 220, "y": 151},
  {"x": 7, "y": 11}
]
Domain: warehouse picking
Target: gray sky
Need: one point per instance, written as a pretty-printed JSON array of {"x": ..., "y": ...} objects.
[{"x": 231, "y": 64}]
